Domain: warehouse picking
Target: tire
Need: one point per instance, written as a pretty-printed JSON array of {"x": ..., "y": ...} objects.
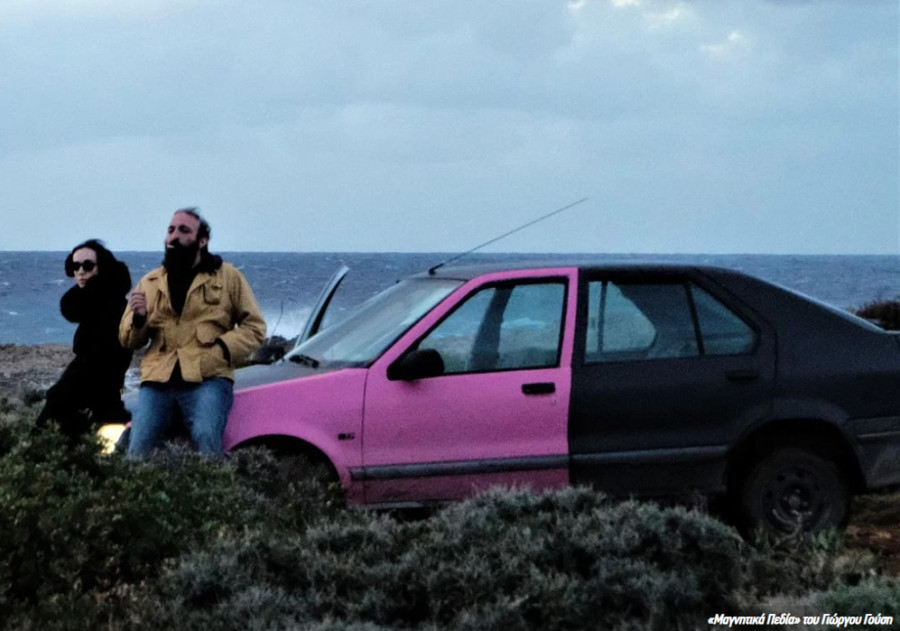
[
  {"x": 295, "y": 470},
  {"x": 793, "y": 490},
  {"x": 313, "y": 475},
  {"x": 302, "y": 466}
]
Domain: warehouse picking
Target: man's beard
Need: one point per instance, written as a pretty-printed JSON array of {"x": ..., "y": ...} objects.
[{"x": 181, "y": 258}]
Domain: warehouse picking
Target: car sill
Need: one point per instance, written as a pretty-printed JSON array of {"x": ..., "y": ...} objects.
[{"x": 467, "y": 467}]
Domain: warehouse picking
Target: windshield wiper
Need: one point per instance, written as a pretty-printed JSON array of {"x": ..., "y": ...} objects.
[{"x": 306, "y": 360}]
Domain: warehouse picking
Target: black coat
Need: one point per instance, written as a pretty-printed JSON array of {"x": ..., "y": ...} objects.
[
  {"x": 97, "y": 308},
  {"x": 94, "y": 379}
]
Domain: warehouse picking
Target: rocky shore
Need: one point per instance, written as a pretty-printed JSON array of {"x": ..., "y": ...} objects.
[{"x": 25, "y": 370}]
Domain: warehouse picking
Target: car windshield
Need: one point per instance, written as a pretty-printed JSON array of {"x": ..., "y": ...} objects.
[{"x": 374, "y": 325}]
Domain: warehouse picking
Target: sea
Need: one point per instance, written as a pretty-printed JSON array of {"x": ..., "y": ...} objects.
[{"x": 287, "y": 284}]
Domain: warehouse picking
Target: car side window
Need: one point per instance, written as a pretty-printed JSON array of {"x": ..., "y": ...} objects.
[
  {"x": 722, "y": 331},
  {"x": 632, "y": 321},
  {"x": 645, "y": 321},
  {"x": 504, "y": 327}
]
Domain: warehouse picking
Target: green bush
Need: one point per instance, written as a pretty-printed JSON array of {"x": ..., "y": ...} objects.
[
  {"x": 885, "y": 312},
  {"x": 77, "y": 528},
  {"x": 878, "y": 508},
  {"x": 504, "y": 560},
  {"x": 797, "y": 565},
  {"x": 872, "y": 597},
  {"x": 251, "y": 542},
  {"x": 72, "y": 523}
]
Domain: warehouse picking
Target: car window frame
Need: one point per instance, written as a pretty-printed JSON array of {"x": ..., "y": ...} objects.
[
  {"x": 751, "y": 324},
  {"x": 561, "y": 279},
  {"x": 660, "y": 277}
]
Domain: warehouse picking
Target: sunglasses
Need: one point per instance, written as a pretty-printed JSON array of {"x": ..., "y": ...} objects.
[{"x": 87, "y": 265}]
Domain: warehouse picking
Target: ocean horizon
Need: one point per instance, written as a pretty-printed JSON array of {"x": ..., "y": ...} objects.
[{"x": 287, "y": 284}]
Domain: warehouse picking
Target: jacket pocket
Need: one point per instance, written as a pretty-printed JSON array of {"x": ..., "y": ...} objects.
[
  {"x": 212, "y": 293},
  {"x": 207, "y": 333},
  {"x": 212, "y": 356}
]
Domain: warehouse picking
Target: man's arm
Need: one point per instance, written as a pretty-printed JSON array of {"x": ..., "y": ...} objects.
[
  {"x": 133, "y": 330},
  {"x": 249, "y": 330}
]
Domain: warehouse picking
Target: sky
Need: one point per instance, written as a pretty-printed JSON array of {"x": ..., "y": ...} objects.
[{"x": 705, "y": 126}]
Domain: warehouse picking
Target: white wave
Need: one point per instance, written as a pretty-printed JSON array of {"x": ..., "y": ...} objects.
[{"x": 287, "y": 324}]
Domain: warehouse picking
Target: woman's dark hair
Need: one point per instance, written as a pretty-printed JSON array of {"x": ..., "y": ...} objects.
[{"x": 105, "y": 258}]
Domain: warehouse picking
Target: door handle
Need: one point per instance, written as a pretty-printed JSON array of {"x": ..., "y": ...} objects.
[
  {"x": 747, "y": 374},
  {"x": 546, "y": 387}
]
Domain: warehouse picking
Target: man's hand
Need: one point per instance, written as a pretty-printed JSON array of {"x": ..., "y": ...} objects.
[{"x": 137, "y": 302}]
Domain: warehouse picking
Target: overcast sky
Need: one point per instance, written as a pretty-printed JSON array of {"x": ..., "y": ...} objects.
[{"x": 713, "y": 126}]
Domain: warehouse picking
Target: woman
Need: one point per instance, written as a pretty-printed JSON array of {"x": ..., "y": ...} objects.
[{"x": 89, "y": 390}]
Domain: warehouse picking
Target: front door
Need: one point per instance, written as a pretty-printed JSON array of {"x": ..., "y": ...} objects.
[
  {"x": 496, "y": 415},
  {"x": 669, "y": 372}
]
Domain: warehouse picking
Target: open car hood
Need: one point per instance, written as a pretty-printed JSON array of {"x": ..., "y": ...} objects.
[
  {"x": 283, "y": 369},
  {"x": 314, "y": 322}
]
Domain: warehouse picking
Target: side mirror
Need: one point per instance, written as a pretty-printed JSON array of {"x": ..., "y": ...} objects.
[{"x": 417, "y": 364}]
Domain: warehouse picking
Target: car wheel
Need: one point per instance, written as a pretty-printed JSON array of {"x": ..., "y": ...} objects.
[
  {"x": 313, "y": 474},
  {"x": 302, "y": 466},
  {"x": 296, "y": 469},
  {"x": 794, "y": 490}
]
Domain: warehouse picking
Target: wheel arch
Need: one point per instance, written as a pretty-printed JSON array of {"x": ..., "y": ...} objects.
[
  {"x": 820, "y": 436},
  {"x": 290, "y": 445}
]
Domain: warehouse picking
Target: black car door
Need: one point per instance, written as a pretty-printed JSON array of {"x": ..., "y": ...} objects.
[{"x": 668, "y": 371}]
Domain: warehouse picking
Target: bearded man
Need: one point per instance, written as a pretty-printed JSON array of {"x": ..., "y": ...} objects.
[{"x": 201, "y": 320}]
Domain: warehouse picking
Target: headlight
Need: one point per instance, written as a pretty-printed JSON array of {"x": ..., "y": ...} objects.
[{"x": 109, "y": 436}]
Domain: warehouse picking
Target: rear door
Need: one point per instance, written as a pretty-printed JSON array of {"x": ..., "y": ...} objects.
[
  {"x": 497, "y": 414},
  {"x": 669, "y": 371}
]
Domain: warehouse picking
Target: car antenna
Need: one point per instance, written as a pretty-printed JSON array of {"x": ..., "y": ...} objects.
[{"x": 432, "y": 270}]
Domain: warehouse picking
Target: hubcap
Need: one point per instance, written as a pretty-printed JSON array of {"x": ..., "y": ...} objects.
[{"x": 794, "y": 499}]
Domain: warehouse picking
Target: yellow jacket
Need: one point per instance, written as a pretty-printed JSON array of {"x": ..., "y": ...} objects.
[{"x": 219, "y": 306}]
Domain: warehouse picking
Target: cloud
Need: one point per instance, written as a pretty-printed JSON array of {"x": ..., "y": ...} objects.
[
  {"x": 687, "y": 122},
  {"x": 667, "y": 17},
  {"x": 29, "y": 10},
  {"x": 733, "y": 43}
]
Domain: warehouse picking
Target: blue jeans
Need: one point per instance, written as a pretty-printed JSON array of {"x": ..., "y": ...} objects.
[{"x": 204, "y": 408}]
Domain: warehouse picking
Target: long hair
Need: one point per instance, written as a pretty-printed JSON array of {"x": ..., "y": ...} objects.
[{"x": 105, "y": 259}]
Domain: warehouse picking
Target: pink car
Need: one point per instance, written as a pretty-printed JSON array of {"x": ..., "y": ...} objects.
[{"x": 637, "y": 379}]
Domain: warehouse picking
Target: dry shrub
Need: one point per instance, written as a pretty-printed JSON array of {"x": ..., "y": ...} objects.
[
  {"x": 88, "y": 541},
  {"x": 505, "y": 560}
]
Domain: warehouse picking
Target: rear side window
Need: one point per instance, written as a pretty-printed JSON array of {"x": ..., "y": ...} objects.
[
  {"x": 646, "y": 321},
  {"x": 722, "y": 331}
]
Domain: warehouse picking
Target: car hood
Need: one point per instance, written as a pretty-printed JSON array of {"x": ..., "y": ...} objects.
[
  {"x": 250, "y": 377},
  {"x": 283, "y": 370}
]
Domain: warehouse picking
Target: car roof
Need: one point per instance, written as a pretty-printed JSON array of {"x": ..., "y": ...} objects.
[{"x": 473, "y": 270}]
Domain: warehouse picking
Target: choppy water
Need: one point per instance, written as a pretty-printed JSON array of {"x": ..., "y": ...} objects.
[{"x": 287, "y": 284}]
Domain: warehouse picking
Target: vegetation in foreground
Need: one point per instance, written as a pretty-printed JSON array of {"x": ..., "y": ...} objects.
[{"x": 92, "y": 541}]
